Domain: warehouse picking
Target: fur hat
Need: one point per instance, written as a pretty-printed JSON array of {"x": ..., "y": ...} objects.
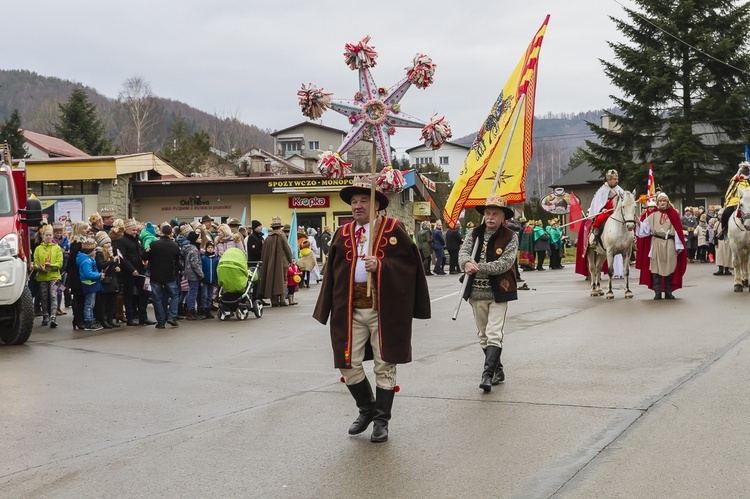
[
  {"x": 88, "y": 245},
  {"x": 497, "y": 201},
  {"x": 94, "y": 218},
  {"x": 102, "y": 238},
  {"x": 304, "y": 243},
  {"x": 361, "y": 185}
]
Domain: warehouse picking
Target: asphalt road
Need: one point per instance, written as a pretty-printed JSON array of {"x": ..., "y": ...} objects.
[{"x": 620, "y": 398}]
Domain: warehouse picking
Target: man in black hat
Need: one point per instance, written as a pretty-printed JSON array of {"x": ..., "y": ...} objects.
[
  {"x": 375, "y": 326},
  {"x": 490, "y": 270},
  {"x": 254, "y": 245}
]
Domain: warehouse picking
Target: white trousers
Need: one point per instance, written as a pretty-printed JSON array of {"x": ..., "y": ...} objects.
[
  {"x": 364, "y": 329},
  {"x": 490, "y": 319}
]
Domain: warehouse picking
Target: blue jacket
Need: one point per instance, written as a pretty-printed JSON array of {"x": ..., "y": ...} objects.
[
  {"x": 87, "y": 268},
  {"x": 209, "y": 263}
]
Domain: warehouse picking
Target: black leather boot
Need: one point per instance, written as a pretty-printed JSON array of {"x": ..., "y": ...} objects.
[
  {"x": 668, "y": 288},
  {"x": 499, "y": 375},
  {"x": 382, "y": 414},
  {"x": 657, "y": 286},
  {"x": 720, "y": 271},
  {"x": 362, "y": 393},
  {"x": 491, "y": 360}
]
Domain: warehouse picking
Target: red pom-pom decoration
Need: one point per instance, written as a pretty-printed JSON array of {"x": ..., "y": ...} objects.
[
  {"x": 421, "y": 71},
  {"x": 396, "y": 388},
  {"x": 390, "y": 180},
  {"x": 436, "y": 132},
  {"x": 313, "y": 101},
  {"x": 360, "y": 55},
  {"x": 342, "y": 379},
  {"x": 332, "y": 166}
]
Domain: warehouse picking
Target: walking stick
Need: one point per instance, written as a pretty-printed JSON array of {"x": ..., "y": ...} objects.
[{"x": 519, "y": 106}]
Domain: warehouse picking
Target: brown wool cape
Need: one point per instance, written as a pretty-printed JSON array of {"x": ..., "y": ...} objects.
[
  {"x": 400, "y": 288},
  {"x": 276, "y": 257}
]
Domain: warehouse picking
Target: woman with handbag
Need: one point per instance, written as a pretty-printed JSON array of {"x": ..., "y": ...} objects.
[{"x": 109, "y": 265}]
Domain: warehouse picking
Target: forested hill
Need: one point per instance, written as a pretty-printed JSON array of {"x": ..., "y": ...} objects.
[
  {"x": 556, "y": 137},
  {"x": 37, "y": 98}
]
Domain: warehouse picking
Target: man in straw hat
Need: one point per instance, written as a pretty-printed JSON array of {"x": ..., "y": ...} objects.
[
  {"x": 375, "y": 326},
  {"x": 492, "y": 282},
  {"x": 276, "y": 257}
]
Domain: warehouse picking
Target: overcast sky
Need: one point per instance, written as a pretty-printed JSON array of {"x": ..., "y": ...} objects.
[{"x": 249, "y": 58}]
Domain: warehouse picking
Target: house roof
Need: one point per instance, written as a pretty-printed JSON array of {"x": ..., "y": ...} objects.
[
  {"x": 53, "y": 146},
  {"x": 257, "y": 151},
  {"x": 96, "y": 167},
  {"x": 307, "y": 123},
  {"x": 582, "y": 174}
]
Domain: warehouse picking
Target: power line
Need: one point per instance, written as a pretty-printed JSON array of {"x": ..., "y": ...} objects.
[{"x": 636, "y": 14}]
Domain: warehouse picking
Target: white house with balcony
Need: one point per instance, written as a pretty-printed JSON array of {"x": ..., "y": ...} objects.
[{"x": 450, "y": 157}]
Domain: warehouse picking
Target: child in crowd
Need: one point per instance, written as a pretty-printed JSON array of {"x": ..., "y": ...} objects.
[
  {"x": 293, "y": 278},
  {"x": 61, "y": 239},
  {"x": 48, "y": 260},
  {"x": 91, "y": 282},
  {"x": 306, "y": 261},
  {"x": 148, "y": 235},
  {"x": 193, "y": 272},
  {"x": 209, "y": 261},
  {"x": 109, "y": 265}
]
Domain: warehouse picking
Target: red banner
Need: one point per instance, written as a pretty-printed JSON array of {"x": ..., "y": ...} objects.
[{"x": 309, "y": 201}]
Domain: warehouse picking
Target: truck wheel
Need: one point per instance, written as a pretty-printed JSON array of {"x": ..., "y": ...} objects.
[{"x": 21, "y": 320}]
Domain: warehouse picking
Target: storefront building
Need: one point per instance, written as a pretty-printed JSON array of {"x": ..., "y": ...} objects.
[{"x": 315, "y": 199}]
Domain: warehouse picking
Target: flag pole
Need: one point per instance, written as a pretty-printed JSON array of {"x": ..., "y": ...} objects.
[{"x": 519, "y": 106}]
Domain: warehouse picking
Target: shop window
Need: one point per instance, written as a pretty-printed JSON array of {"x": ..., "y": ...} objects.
[{"x": 90, "y": 187}]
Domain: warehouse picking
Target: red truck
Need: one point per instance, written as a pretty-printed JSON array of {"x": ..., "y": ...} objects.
[{"x": 17, "y": 213}]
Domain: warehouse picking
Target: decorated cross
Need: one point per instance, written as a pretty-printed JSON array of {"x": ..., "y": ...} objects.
[{"x": 374, "y": 113}]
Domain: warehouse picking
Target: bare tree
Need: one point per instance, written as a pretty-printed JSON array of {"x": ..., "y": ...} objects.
[{"x": 140, "y": 103}]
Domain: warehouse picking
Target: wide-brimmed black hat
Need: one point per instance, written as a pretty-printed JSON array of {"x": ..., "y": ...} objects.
[
  {"x": 497, "y": 201},
  {"x": 362, "y": 186}
]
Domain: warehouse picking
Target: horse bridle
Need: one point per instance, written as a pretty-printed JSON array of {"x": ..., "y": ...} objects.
[
  {"x": 741, "y": 216},
  {"x": 620, "y": 208}
]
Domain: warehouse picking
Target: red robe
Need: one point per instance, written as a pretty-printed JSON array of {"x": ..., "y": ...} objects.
[
  {"x": 644, "y": 247},
  {"x": 400, "y": 291}
]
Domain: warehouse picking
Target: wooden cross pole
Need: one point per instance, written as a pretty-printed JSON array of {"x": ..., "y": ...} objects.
[{"x": 373, "y": 221}]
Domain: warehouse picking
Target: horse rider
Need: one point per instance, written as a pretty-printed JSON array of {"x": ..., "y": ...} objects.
[
  {"x": 603, "y": 204},
  {"x": 732, "y": 196}
]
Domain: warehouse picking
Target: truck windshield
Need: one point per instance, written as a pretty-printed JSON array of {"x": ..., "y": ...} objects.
[{"x": 5, "y": 201}]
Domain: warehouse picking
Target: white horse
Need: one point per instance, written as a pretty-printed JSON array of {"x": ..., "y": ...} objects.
[
  {"x": 738, "y": 227},
  {"x": 617, "y": 239}
]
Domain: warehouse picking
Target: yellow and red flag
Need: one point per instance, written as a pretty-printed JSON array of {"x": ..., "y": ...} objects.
[{"x": 477, "y": 176}]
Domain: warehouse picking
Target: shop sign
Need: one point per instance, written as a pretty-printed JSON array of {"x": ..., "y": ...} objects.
[
  {"x": 421, "y": 209},
  {"x": 309, "y": 201}
]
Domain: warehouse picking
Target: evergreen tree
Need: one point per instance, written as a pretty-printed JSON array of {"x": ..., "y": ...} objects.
[
  {"x": 11, "y": 132},
  {"x": 79, "y": 125},
  {"x": 686, "y": 95},
  {"x": 189, "y": 150}
]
